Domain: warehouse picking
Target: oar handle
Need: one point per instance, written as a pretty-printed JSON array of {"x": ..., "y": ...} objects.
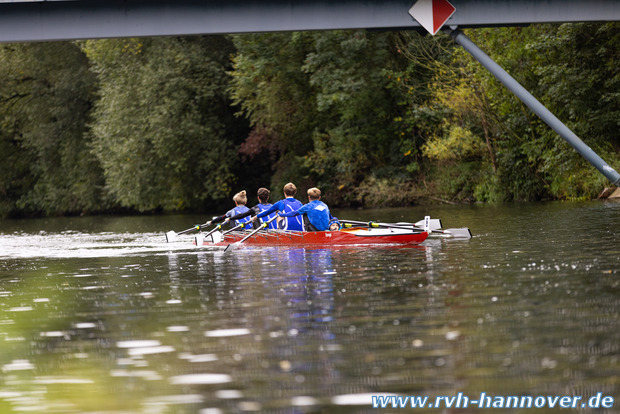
[
  {"x": 196, "y": 227},
  {"x": 172, "y": 235},
  {"x": 219, "y": 226}
]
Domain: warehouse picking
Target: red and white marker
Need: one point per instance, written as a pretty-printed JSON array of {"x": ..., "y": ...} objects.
[{"x": 432, "y": 14}]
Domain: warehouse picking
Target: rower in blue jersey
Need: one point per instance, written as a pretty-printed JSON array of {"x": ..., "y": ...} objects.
[
  {"x": 263, "y": 204},
  {"x": 288, "y": 204},
  {"x": 236, "y": 215},
  {"x": 316, "y": 211}
]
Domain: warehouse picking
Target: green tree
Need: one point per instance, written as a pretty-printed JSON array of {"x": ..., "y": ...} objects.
[
  {"x": 577, "y": 70},
  {"x": 274, "y": 93},
  {"x": 424, "y": 114},
  {"x": 517, "y": 156},
  {"x": 45, "y": 101},
  {"x": 519, "y": 175},
  {"x": 572, "y": 72},
  {"x": 322, "y": 104},
  {"x": 161, "y": 122},
  {"x": 357, "y": 144}
]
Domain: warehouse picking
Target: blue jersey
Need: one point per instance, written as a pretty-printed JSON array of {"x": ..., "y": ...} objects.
[
  {"x": 240, "y": 210},
  {"x": 292, "y": 223},
  {"x": 317, "y": 212},
  {"x": 264, "y": 207},
  {"x": 287, "y": 205}
]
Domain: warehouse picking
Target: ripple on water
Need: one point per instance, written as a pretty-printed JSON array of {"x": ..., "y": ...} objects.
[
  {"x": 356, "y": 399},
  {"x": 18, "y": 365},
  {"x": 220, "y": 333},
  {"x": 139, "y": 343},
  {"x": 86, "y": 245},
  {"x": 200, "y": 379}
]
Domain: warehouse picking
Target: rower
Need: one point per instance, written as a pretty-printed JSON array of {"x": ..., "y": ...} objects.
[
  {"x": 238, "y": 214},
  {"x": 263, "y": 204},
  {"x": 315, "y": 212},
  {"x": 288, "y": 204}
]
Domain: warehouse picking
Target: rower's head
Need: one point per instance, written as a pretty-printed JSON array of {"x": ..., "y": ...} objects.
[
  {"x": 314, "y": 194},
  {"x": 240, "y": 198},
  {"x": 290, "y": 190},
  {"x": 263, "y": 195}
]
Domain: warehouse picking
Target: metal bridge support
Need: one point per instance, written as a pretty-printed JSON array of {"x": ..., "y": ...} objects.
[{"x": 538, "y": 108}]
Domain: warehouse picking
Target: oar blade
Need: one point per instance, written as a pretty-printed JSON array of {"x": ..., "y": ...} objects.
[
  {"x": 211, "y": 238},
  {"x": 171, "y": 236},
  {"x": 434, "y": 224},
  {"x": 216, "y": 237},
  {"x": 462, "y": 233},
  {"x": 199, "y": 240},
  {"x": 231, "y": 246}
]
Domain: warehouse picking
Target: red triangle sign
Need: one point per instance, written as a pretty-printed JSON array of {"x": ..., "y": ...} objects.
[
  {"x": 432, "y": 14},
  {"x": 442, "y": 10}
]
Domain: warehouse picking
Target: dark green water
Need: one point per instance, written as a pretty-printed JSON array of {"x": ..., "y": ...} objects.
[{"x": 102, "y": 315}]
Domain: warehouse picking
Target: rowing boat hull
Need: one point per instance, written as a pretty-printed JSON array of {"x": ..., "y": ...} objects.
[{"x": 325, "y": 238}]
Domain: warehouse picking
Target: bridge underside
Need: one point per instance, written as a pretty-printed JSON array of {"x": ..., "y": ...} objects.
[{"x": 86, "y": 19}]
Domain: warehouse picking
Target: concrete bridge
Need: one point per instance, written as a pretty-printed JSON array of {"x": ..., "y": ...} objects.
[{"x": 87, "y": 19}]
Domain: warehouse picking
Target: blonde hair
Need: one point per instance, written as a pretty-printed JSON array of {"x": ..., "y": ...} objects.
[
  {"x": 290, "y": 189},
  {"x": 240, "y": 198},
  {"x": 314, "y": 193}
]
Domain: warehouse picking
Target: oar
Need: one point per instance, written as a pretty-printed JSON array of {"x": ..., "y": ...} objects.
[
  {"x": 238, "y": 226},
  {"x": 262, "y": 226},
  {"x": 199, "y": 240},
  {"x": 172, "y": 235},
  {"x": 377, "y": 225},
  {"x": 372, "y": 224},
  {"x": 462, "y": 233},
  {"x": 433, "y": 224}
]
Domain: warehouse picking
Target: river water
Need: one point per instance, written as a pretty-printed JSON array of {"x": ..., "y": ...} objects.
[{"x": 100, "y": 314}]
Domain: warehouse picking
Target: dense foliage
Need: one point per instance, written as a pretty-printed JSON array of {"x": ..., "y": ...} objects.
[
  {"x": 46, "y": 165},
  {"x": 372, "y": 118},
  {"x": 503, "y": 151},
  {"x": 161, "y": 121}
]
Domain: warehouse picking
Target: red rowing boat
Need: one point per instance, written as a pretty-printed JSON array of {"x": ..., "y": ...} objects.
[{"x": 354, "y": 236}]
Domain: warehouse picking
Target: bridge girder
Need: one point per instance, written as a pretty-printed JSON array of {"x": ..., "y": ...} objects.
[{"x": 86, "y": 19}]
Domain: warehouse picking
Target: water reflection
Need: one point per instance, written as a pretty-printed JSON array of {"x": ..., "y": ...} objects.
[{"x": 176, "y": 329}]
